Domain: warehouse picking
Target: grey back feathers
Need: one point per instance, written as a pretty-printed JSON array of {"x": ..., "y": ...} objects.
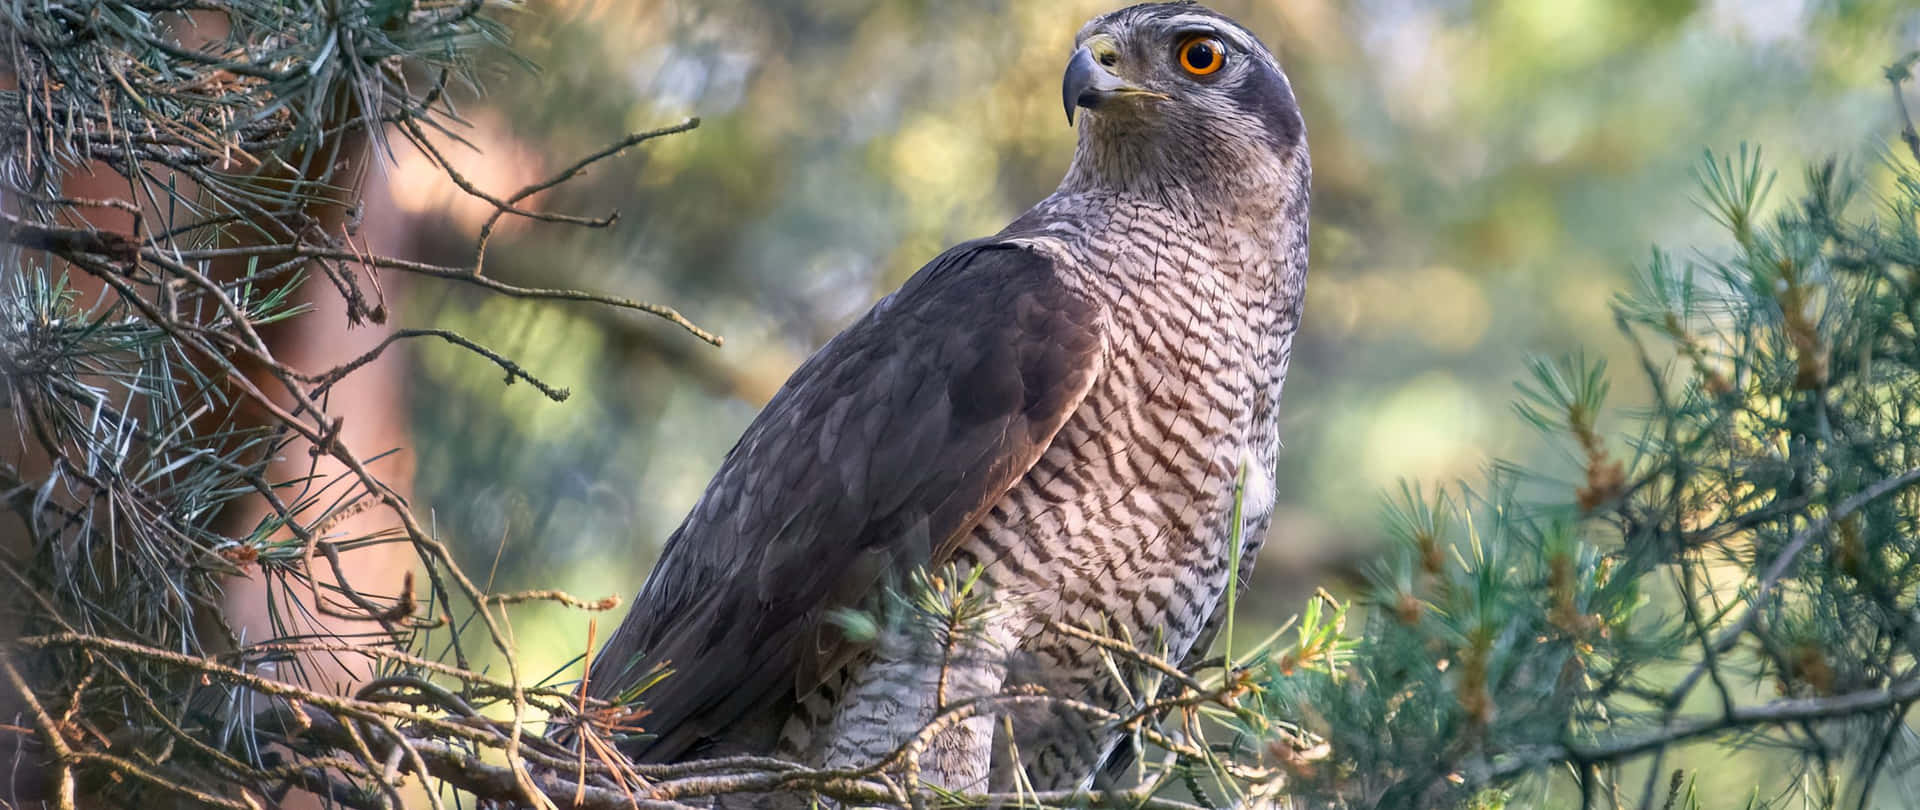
[{"x": 1062, "y": 408}]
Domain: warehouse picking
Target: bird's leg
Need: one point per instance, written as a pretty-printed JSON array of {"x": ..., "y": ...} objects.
[{"x": 920, "y": 693}]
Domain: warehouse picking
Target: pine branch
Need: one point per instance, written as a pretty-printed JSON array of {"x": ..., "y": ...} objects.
[
  {"x": 1770, "y": 714},
  {"x": 1764, "y": 529}
]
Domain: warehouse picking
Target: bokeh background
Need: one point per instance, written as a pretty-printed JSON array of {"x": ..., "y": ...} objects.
[{"x": 1487, "y": 174}]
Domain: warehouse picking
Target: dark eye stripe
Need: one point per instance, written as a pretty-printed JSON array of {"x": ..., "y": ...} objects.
[{"x": 1264, "y": 92}]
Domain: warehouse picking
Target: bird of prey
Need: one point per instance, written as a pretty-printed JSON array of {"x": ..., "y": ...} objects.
[{"x": 1068, "y": 414}]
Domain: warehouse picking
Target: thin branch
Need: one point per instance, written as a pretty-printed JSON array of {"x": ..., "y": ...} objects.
[
  {"x": 514, "y": 372},
  {"x": 1775, "y": 713},
  {"x": 461, "y": 274},
  {"x": 1819, "y": 527}
]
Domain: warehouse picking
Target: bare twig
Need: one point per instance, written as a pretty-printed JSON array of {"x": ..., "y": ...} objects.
[{"x": 1774, "y": 713}]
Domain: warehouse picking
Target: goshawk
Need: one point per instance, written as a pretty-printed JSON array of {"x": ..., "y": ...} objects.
[{"x": 1058, "y": 414}]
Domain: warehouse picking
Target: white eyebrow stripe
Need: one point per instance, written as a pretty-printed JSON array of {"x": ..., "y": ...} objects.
[{"x": 1214, "y": 24}]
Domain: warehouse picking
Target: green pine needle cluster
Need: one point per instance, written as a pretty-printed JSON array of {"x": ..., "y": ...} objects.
[{"x": 1737, "y": 565}]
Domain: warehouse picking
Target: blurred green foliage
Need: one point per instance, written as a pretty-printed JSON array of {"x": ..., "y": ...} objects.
[
  {"x": 1487, "y": 175},
  {"x": 1727, "y": 588}
]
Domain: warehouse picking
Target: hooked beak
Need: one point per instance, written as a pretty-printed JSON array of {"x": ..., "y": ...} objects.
[{"x": 1088, "y": 84}]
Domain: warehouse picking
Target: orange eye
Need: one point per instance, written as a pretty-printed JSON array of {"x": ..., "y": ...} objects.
[{"x": 1201, "y": 54}]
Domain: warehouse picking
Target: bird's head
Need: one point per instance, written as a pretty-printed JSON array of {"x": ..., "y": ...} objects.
[{"x": 1178, "y": 96}]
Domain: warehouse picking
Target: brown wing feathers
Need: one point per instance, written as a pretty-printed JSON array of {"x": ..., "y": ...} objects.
[{"x": 877, "y": 456}]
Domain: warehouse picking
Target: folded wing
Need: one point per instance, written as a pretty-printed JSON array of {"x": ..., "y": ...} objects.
[{"x": 878, "y": 455}]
